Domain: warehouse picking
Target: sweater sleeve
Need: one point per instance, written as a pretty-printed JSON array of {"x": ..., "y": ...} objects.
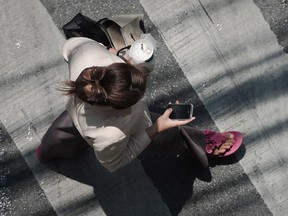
[
  {"x": 72, "y": 44},
  {"x": 81, "y": 53},
  {"x": 119, "y": 150},
  {"x": 114, "y": 148}
]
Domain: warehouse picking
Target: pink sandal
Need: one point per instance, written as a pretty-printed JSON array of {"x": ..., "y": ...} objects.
[
  {"x": 38, "y": 153},
  {"x": 215, "y": 140}
]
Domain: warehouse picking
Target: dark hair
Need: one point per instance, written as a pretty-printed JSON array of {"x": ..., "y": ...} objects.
[{"x": 118, "y": 85}]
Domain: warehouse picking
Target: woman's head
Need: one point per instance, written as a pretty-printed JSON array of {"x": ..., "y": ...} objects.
[{"x": 119, "y": 85}]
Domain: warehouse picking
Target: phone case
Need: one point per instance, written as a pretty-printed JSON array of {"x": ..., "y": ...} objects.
[{"x": 181, "y": 111}]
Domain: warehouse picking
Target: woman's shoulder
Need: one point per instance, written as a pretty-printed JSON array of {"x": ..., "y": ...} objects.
[
  {"x": 140, "y": 106},
  {"x": 81, "y": 53},
  {"x": 74, "y": 43}
]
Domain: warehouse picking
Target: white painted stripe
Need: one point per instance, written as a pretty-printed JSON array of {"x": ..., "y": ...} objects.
[
  {"x": 31, "y": 66},
  {"x": 234, "y": 63}
]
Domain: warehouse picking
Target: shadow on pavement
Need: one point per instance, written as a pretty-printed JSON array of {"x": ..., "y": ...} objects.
[
  {"x": 173, "y": 175},
  {"x": 128, "y": 191},
  {"x": 20, "y": 192}
]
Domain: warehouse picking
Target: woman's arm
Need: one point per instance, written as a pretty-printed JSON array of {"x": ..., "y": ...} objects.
[
  {"x": 112, "y": 50},
  {"x": 114, "y": 155}
]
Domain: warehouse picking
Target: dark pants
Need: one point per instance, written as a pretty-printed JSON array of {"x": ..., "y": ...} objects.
[{"x": 62, "y": 139}]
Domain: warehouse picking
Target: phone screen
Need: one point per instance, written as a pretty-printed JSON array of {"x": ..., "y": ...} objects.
[{"x": 181, "y": 111}]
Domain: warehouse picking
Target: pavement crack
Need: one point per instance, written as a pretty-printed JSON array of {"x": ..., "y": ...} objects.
[
  {"x": 31, "y": 126},
  {"x": 206, "y": 12}
]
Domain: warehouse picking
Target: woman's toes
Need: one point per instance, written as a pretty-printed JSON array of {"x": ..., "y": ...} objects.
[
  {"x": 229, "y": 142},
  {"x": 225, "y": 147},
  {"x": 219, "y": 151},
  {"x": 229, "y": 136}
]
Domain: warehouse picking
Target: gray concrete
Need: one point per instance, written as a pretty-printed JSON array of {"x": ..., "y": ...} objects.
[
  {"x": 224, "y": 56},
  {"x": 19, "y": 190},
  {"x": 233, "y": 61}
]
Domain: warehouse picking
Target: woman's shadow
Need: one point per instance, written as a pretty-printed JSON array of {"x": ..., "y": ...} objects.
[{"x": 129, "y": 191}]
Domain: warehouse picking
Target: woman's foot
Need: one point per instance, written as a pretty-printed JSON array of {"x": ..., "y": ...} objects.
[
  {"x": 222, "y": 144},
  {"x": 205, "y": 144},
  {"x": 38, "y": 153},
  {"x": 225, "y": 146}
]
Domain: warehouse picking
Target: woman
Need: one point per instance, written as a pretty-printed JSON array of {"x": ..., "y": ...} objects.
[{"x": 105, "y": 110}]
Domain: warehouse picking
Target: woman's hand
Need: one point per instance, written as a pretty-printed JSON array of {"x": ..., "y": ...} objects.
[
  {"x": 128, "y": 61},
  {"x": 164, "y": 122},
  {"x": 112, "y": 50}
]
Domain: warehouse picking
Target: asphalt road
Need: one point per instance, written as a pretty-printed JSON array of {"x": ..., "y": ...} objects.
[
  {"x": 275, "y": 13},
  {"x": 22, "y": 195}
]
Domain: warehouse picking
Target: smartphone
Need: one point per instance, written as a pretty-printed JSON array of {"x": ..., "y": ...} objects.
[{"x": 181, "y": 111}]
